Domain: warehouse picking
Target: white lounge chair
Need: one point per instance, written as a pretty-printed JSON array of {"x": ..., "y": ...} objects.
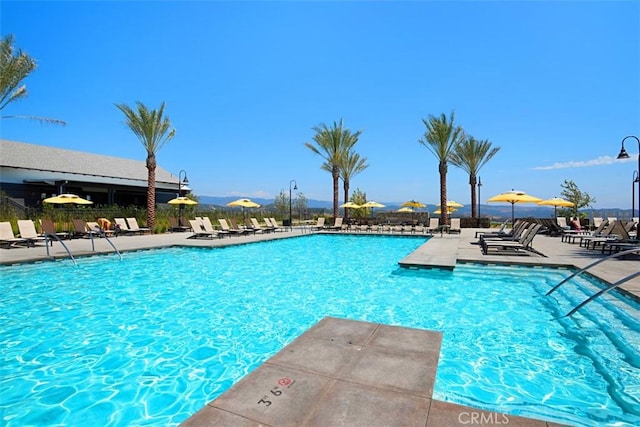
[
  {"x": 7, "y": 237},
  {"x": 134, "y": 228},
  {"x": 337, "y": 225},
  {"x": 319, "y": 225},
  {"x": 28, "y": 232},
  {"x": 434, "y": 225}
]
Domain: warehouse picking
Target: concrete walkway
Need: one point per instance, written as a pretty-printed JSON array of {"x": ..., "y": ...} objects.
[{"x": 348, "y": 373}]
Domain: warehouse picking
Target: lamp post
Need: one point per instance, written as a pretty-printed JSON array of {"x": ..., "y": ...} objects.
[
  {"x": 479, "y": 201},
  {"x": 181, "y": 181},
  {"x": 295, "y": 187},
  {"x": 636, "y": 178},
  {"x": 624, "y": 155}
]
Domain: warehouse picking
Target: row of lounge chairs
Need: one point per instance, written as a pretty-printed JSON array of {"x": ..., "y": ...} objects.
[
  {"x": 28, "y": 235},
  {"x": 203, "y": 228},
  {"x": 517, "y": 241},
  {"x": 610, "y": 236},
  {"x": 431, "y": 228}
]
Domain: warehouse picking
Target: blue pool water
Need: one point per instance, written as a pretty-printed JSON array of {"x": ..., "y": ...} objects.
[{"x": 151, "y": 339}]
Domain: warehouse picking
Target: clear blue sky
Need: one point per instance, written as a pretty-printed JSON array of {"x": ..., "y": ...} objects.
[{"x": 555, "y": 84}]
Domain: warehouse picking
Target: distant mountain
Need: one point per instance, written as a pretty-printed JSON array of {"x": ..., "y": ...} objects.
[{"x": 496, "y": 211}]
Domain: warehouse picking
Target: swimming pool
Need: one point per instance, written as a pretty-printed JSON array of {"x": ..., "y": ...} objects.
[{"x": 153, "y": 338}]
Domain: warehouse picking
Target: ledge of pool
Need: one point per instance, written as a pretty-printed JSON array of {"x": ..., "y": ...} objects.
[{"x": 346, "y": 372}]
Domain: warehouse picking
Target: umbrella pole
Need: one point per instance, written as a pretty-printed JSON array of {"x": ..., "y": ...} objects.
[{"x": 513, "y": 215}]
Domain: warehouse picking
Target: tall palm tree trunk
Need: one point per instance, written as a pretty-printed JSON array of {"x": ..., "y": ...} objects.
[
  {"x": 443, "y": 193},
  {"x": 472, "y": 182},
  {"x": 346, "y": 198},
  {"x": 151, "y": 191},
  {"x": 336, "y": 190}
]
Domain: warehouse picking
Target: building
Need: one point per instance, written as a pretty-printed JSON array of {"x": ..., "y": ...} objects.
[{"x": 30, "y": 173}]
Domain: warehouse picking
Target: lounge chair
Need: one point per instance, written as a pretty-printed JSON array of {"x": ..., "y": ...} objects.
[
  {"x": 199, "y": 231},
  {"x": 522, "y": 246},
  {"x": 597, "y": 220},
  {"x": 28, "y": 232},
  {"x": 205, "y": 223},
  {"x": 434, "y": 225},
  {"x": 240, "y": 230},
  {"x": 274, "y": 224},
  {"x": 49, "y": 229},
  {"x": 7, "y": 237},
  {"x": 499, "y": 232},
  {"x": 174, "y": 225},
  {"x": 122, "y": 227},
  {"x": 95, "y": 228},
  {"x": 418, "y": 229},
  {"x": 606, "y": 229},
  {"x": 617, "y": 233},
  {"x": 319, "y": 225},
  {"x": 337, "y": 225},
  {"x": 396, "y": 228},
  {"x": 562, "y": 223},
  {"x": 516, "y": 232},
  {"x": 225, "y": 227},
  {"x": 134, "y": 228},
  {"x": 454, "y": 227},
  {"x": 259, "y": 228},
  {"x": 571, "y": 238}
]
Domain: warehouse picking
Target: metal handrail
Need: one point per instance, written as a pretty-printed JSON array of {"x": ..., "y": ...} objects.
[
  {"x": 46, "y": 243},
  {"x": 104, "y": 235},
  {"x": 602, "y": 291},
  {"x": 615, "y": 255}
]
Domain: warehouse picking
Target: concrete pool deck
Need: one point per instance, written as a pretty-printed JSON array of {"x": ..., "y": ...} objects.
[
  {"x": 344, "y": 372},
  {"x": 441, "y": 251}
]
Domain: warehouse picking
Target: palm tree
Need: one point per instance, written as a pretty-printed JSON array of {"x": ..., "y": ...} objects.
[
  {"x": 470, "y": 155},
  {"x": 15, "y": 66},
  {"x": 152, "y": 129},
  {"x": 350, "y": 165},
  {"x": 441, "y": 138},
  {"x": 331, "y": 142}
]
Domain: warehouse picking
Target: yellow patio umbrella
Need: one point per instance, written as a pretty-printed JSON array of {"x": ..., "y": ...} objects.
[
  {"x": 449, "y": 210},
  {"x": 182, "y": 201},
  {"x": 453, "y": 204},
  {"x": 413, "y": 204},
  {"x": 513, "y": 197},
  {"x": 350, "y": 205},
  {"x": 372, "y": 205},
  {"x": 68, "y": 198},
  {"x": 555, "y": 202},
  {"x": 405, "y": 209},
  {"x": 244, "y": 203}
]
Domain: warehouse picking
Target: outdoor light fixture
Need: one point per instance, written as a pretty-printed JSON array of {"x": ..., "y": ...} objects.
[
  {"x": 624, "y": 155},
  {"x": 182, "y": 181},
  {"x": 295, "y": 187}
]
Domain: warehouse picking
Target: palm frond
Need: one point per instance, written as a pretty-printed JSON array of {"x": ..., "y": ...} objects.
[{"x": 43, "y": 120}]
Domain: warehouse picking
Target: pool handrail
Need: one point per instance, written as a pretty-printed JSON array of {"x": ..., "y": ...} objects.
[
  {"x": 103, "y": 235},
  {"x": 47, "y": 236},
  {"x": 602, "y": 291},
  {"x": 615, "y": 255}
]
